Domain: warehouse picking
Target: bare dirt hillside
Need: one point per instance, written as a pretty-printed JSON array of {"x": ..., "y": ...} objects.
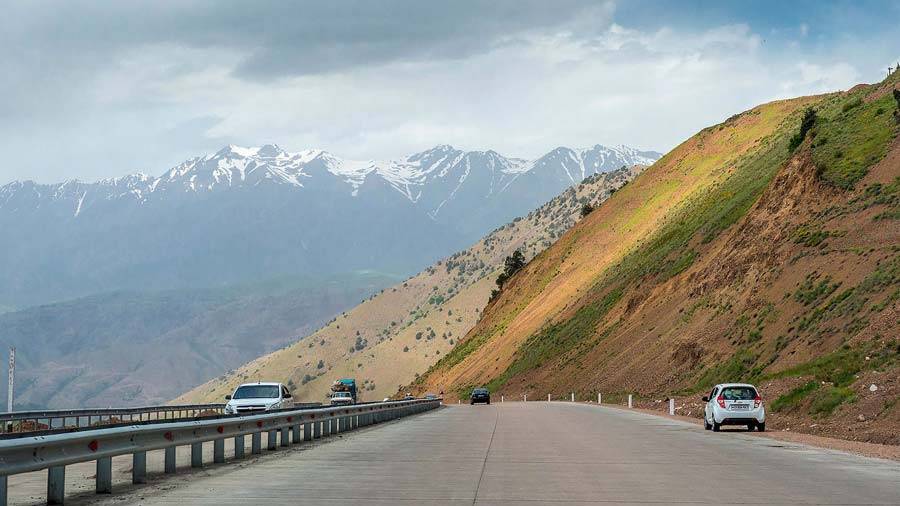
[
  {"x": 763, "y": 249},
  {"x": 389, "y": 339}
]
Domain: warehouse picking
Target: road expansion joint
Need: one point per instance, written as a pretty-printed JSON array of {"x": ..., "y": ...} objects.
[{"x": 486, "y": 454}]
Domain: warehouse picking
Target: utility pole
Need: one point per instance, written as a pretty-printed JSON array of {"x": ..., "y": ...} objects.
[{"x": 12, "y": 379}]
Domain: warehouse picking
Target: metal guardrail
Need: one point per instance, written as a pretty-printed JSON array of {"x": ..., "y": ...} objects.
[
  {"x": 29, "y": 421},
  {"x": 54, "y": 452}
]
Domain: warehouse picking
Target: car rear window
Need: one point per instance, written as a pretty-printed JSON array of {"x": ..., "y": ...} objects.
[
  {"x": 738, "y": 393},
  {"x": 480, "y": 391}
]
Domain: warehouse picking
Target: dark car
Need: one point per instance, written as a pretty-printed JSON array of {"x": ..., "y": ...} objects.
[{"x": 480, "y": 395}]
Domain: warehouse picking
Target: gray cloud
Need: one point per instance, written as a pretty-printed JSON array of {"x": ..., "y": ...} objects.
[
  {"x": 278, "y": 38},
  {"x": 94, "y": 89}
]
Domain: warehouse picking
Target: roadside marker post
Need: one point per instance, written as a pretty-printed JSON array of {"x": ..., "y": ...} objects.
[
  {"x": 629, "y": 400},
  {"x": 573, "y": 396},
  {"x": 672, "y": 407},
  {"x": 598, "y": 398},
  {"x": 525, "y": 396},
  {"x": 501, "y": 398},
  {"x": 548, "y": 397}
]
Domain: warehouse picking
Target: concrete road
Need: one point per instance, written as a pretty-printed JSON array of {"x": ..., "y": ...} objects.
[{"x": 541, "y": 453}]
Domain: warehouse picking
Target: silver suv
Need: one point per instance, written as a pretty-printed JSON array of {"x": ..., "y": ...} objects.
[{"x": 734, "y": 404}]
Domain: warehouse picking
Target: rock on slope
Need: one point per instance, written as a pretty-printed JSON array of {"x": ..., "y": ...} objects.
[
  {"x": 743, "y": 254},
  {"x": 385, "y": 341}
]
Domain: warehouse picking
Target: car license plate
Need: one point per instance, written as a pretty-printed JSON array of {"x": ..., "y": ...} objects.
[{"x": 740, "y": 407}]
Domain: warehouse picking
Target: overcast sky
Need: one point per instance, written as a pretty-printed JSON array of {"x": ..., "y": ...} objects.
[{"x": 101, "y": 89}]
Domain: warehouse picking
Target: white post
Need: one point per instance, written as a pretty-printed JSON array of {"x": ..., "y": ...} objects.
[
  {"x": 458, "y": 401},
  {"x": 548, "y": 397},
  {"x": 598, "y": 398},
  {"x": 672, "y": 407},
  {"x": 501, "y": 398},
  {"x": 525, "y": 396},
  {"x": 573, "y": 396},
  {"x": 12, "y": 379},
  {"x": 629, "y": 400}
]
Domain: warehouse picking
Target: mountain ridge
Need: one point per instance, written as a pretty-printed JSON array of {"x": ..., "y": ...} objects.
[
  {"x": 252, "y": 213},
  {"x": 235, "y": 164},
  {"x": 400, "y": 331}
]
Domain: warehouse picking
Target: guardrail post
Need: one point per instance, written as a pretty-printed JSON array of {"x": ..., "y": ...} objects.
[
  {"x": 672, "y": 407},
  {"x": 3, "y": 491},
  {"x": 170, "y": 460},
  {"x": 139, "y": 468},
  {"x": 273, "y": 440},
  {"x": 219, "y": 451},
  {"x": 104, "y": 475},
  {"x": 239, "y": 446},
  {"x": 285, "y": 437},
  {"x": 256, "y": 443},
  {"x": 56, "y": 485},
  {"x": 317, "y": 429},
  {"x": 296, "y": 435},
  {"x": 196, "y": 454},
  {"x": 307, "y": 432},
  {"x": 629, "y": 401}
]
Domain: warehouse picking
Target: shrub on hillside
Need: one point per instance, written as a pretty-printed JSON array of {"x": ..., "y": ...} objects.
[
  {"x": 586, "y": 209},
  {"x": 511, "y": 265},
  {"x": 808, "y": 121}
]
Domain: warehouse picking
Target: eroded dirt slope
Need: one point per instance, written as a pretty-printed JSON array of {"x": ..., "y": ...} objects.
[{"x": 748, "y": 253}]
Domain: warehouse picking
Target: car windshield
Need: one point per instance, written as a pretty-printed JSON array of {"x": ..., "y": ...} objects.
[
  {"x": 480, "y": 391},
  {"x": 256, "y": 392},
  {"x": 738, "y": 393},
  {"x": 341, "y": 394}
]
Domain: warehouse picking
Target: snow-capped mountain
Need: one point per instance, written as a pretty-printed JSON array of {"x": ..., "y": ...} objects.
[{"x": 247, "y": 212}]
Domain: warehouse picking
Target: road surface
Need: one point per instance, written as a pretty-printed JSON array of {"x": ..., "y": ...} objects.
[{"x": 539, "y": 453}]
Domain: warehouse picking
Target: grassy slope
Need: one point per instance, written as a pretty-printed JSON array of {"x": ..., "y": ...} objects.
[
  {"x": 385, "y": 341},
  {"x": 686, "y": 277},
  {"x": 550, "y": 287}
]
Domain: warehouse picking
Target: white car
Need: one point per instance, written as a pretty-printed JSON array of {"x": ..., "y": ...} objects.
[
  {"x": 341, "y": 398},
  {"x": 255, "y": 397},
  {"x": 734, "y": 404}
]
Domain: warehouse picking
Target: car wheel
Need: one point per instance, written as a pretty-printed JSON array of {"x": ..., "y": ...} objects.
[
  {"x": 761, "y": 427},
  {"x": 716, "y": 426},
  {"x": 488, "y": 402},
  {"x": 471, "y": 403},
  {"x": 750, "y": 427},
  {"x": 706, "y": 425}
]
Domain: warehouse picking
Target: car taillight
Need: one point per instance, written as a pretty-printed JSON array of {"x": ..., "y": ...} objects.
[
  {"x": 757, "y": 401},
  {"x": 721, "y": 401}
]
